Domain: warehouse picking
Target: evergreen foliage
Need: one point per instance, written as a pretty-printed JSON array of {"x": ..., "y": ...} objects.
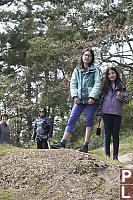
[{"x": 40, "y": 47}]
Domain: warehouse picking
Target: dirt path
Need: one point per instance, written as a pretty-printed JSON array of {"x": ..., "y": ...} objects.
[
  {"x": 127, "y": 159},
  {"x": 57, "y": 175}
]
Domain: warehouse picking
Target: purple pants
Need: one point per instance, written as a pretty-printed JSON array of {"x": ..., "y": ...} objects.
[{"x": 76, "y": 112}]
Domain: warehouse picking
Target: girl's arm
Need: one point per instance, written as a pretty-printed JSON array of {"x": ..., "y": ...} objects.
[
  {"x": 100, "y": 103},
  {"x": 97, "y": 83},
  {"x": 50, "y": 127},
  {"x": 123, "y": 95},
  {"x": 34, "y": 132},
  {"x": 74, "y": 85}
]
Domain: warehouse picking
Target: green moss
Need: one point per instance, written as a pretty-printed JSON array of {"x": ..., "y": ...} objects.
[
  {"x": 125, "y": 146},
  {"x": 4, "y": 148},
  {"x": 7, "y": 195}
]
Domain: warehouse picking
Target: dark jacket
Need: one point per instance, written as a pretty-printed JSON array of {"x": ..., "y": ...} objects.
[
  {"x": 109, "y": 104},
  {"x": 4, "y": 133},
  {"x": 43, "y": 128}
]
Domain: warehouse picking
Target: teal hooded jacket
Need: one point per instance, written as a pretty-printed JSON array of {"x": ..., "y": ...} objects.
[{"x": 85, "y": 84}]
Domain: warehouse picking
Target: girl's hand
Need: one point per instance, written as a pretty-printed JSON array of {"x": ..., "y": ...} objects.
[
  {"x": 91, "y": 101},
  {"x": 119, "y": 95},
  {"x": 99, "y": 118},
  {"x": 76, "y": 100}
]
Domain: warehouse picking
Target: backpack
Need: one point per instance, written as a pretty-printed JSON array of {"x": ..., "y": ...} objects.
[{"x": 42, "y": 129}]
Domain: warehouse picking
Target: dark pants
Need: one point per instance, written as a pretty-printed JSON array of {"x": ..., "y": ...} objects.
[
  {"x": 112, "y": 125},
  {"x": 42, "y": 144}
]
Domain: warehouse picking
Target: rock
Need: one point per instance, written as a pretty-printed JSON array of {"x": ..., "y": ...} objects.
[{"x": 127, "y": 159}]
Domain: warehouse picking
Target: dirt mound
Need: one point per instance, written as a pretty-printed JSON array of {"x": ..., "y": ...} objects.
[{"x": 57, "y": 175}]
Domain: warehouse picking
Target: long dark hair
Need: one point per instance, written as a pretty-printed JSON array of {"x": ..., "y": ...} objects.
[
  {"x": 107, "y": 83},
  {"x": 81, "y": 60}
]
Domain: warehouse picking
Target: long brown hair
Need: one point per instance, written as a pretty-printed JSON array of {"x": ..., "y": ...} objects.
[
  {"x": 107, "y": 83},
  {"x": 81, "y": 60}
]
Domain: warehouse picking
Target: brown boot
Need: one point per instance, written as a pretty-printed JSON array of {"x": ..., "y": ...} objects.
[{"x": 115, "y": 157}]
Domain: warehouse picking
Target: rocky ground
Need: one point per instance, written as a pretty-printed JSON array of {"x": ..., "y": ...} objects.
[
  {"x": 57, "y": 175},
  {"x": 127, "y": 159}
]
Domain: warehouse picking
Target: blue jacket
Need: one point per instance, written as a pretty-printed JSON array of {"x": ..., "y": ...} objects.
[
  {"x": 43, "y": 128},
  {"x": 109, "y": 104},
  {"x": 85, "y": 84}
]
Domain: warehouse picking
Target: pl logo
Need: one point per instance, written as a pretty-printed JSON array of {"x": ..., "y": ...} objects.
[{"x": 126, "y": 184}]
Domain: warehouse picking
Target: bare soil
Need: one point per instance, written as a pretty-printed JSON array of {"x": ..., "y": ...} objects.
[{"x": 57, "y": 175}]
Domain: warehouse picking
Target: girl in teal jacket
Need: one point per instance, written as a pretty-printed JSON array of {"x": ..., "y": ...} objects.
[{"x": 84, "y": 87}]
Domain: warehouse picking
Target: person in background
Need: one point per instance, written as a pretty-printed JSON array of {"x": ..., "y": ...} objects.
[
  {"x": 84, "y": 88},
  {"x": 110, "y": 109},
  {"x": 4, "y": 130},
  {"x": 43, "y": 130}
]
